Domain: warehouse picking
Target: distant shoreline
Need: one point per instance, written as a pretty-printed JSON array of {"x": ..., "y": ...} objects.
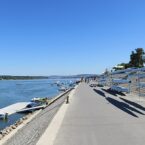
[
  {"x": 21, "y": 77},
  {"x": 10, "y": 77}
]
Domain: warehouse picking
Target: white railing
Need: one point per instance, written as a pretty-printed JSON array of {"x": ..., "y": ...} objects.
[{"x": 128, "y": 80}]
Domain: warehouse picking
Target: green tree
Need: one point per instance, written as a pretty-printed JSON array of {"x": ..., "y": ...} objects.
[{"x": 136, "y": 58}]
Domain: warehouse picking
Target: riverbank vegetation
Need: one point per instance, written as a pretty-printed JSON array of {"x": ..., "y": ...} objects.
[{"x": 8, "y": 77}]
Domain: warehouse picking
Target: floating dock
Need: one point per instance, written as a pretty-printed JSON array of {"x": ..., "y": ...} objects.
[{"x": 14, "y": 108}]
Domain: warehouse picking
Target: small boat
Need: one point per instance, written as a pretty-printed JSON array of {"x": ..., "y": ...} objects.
[
  {"x": 30, "y": 109},
  {"x": 36, "y": 99},
  {"x": 62, "y": 89},
  {"x": 58, "y": 83},
  {"x": 40, "y": 100},
  {"x": 33, "y": 104}
]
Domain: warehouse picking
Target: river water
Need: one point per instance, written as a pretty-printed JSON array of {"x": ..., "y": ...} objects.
[{"x": 14, "y": 91}]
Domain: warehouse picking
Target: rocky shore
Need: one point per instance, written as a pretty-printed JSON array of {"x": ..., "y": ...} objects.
[{"x": 9, "y": 129}]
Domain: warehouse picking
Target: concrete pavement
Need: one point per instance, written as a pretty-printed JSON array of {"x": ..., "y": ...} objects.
[{"x": 98, "y": 117}]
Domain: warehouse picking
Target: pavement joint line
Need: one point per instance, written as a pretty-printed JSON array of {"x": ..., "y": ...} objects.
[{"x": 50, "y": 134}]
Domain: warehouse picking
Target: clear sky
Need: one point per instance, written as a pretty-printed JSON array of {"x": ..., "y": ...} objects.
[{"x": 47, "y": 37}]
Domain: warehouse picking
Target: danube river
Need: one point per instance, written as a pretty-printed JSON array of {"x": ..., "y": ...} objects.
[{"x": 23, "y": 91}]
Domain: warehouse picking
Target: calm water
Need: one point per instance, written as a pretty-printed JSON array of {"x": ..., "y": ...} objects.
[{"x": 23, "y": 91}]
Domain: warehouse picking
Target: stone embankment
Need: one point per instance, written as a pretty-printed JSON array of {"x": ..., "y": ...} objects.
[{"x": 9, "y": 129}]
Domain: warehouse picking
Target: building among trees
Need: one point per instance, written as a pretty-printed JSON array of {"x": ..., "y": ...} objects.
[{"x": 136, "y": 60}]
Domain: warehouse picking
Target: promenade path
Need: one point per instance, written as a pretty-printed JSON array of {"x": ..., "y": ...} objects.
[{"x": 96, "y": 116}]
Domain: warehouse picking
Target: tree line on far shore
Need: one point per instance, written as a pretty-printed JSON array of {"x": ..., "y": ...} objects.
[
  {"x": 8, "y": 77},
  {"x": 136, "y": 60}
]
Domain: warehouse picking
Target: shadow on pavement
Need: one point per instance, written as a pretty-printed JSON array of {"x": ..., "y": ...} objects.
[
  {"x": 127, "y": 106},
  {"x": 134, "y": 104},
  {"x": 114, "y": 93},
  {"x": 100, "y": 92},
  {"x": 124, "y": 107}
]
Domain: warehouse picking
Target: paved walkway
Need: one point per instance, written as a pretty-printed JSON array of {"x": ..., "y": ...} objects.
[{"x": 99, "y": 117}]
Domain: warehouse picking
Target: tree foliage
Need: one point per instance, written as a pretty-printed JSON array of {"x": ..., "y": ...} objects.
[
  {"x": 7, "y": 77},
  {"x": 135, "y": 59}
]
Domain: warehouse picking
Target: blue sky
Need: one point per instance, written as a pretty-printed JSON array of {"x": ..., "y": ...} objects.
[{"x": 46, "y": 37}]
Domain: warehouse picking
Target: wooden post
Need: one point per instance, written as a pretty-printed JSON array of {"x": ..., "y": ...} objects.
[
  {"x": 6, "y": 116},
  {"x": 67, "y": 100}
]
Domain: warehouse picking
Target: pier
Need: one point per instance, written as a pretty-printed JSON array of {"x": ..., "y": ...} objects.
[{"x": 14, "y": 108}]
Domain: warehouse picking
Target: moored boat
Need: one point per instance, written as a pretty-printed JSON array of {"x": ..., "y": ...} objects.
[{"x": 62, "y": 89}]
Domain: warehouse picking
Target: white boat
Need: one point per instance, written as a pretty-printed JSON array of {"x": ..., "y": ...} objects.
[
  {"x": 39, "y": 100},
  {"x": 36, "y": 99},
  {"x": 62, "y": 89},
  {"x": 31, "y": 109}
]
